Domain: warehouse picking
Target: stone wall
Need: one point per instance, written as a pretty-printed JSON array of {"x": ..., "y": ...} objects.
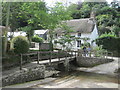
[
  {"x": 24, "y": 75},
  {"x": 90, "y": 61}
]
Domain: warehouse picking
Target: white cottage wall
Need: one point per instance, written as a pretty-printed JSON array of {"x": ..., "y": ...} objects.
[
  {"x": 94, "y": 35},
  {"x": 83, "y": 35}
]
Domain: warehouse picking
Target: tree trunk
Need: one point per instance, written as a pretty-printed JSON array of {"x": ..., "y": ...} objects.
[{"x": 6, "y": 31}]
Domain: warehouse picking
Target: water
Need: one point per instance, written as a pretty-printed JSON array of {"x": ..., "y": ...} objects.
[{"x": 81, "y": 79}]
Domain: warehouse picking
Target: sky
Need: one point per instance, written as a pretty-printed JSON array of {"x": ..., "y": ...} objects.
[{"x": 51, "y": 2}]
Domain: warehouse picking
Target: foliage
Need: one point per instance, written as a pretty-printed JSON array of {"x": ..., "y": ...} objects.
[
  {"x": 99, "y": 51},
  {"x": 66, "y": 39},
  {"x": 56, "y": 14},
  {"x": 86, "y": 44},
  {"x": 111, "y": 34},
  {"x": 85, "y": 10},
  {"x": 106, "y": 15},
  {"x": 109, "y": 42},
  {"x": 103, "y": 30},
  {"x": 37, "y": 39},
  {"x": 116, "y": 29},
  {"x": 20, "y": 44},
  {"x": 25, "y": 16}
]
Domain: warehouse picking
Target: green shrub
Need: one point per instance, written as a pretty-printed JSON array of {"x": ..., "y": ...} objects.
[
  {"x": 111, "y": 34},
  {"x": 109, "y": 43},
  {"x": 20, "y": 44},
  {"x": 37, "y": 39}
]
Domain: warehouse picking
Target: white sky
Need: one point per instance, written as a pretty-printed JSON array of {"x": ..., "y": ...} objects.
[{"x": 51, "y": 2}]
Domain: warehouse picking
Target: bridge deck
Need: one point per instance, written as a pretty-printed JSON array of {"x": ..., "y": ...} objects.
[{"x": 56, "y": 60}]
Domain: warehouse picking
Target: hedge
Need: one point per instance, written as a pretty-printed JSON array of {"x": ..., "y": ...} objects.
[{"x": 109, "y": 43}]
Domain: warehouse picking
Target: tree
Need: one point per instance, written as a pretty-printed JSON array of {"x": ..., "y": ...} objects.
[
  {"x": 26, "y": 16},
  {"x": 56, "y": 14},
  {"x": 6, "y": 29},
  {"x": 75, "y": 11},
  {"x": 66, "y": 40},
  {"x": 83, "y": 9},
  {"x": 103, "y": 19},
  {"x": 35, "y": 13},
  {"x": 116, "y": 29}
]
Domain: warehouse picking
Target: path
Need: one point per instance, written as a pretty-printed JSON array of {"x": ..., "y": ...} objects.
[{"x": 108, "y": 68}]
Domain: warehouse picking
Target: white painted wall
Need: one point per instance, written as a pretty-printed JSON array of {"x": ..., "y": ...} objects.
[
  {"x": 94, "y": 35},
  {"x": 83, "y": 35}
]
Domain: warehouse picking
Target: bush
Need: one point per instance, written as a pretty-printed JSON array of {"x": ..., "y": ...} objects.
[
  {"x": 20, "y": 44},
  {"x": 109, "y": 43},
  {"x": 37, "y": 39}
]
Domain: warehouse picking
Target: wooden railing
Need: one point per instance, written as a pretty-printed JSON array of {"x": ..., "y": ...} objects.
[
  {"x": 66, "y": 55},
  {"x": 51, "y": 53}
]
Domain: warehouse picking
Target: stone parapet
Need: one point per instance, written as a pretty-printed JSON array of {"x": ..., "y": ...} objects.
[
  {"x": 25, "y": 75},
  {"x": 90, "y": 61}
]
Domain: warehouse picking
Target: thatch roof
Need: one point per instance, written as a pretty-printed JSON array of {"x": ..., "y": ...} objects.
[{"x": 81, "y": 25}]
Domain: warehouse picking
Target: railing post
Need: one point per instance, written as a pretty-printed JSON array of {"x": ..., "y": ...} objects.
[
  {"x": 78, "y": 52},
  {"x": 38, "y": 57},
  {"x": 21, "y": 57},
  {"x": 71, "y": 53},
  {"x": 58, "y": 56},
  {"x": 50, "y": 57},
  {"x": 66, "y": 63},
  {"x": 112, "y": 54},
  {"x": 75, "y": 54},
  {"x": 106, "y": 54}
]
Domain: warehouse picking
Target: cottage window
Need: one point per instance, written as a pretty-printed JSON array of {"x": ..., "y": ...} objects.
[
  {"x": 78, "y": 43},
  {"x": 79, "y": 34}
]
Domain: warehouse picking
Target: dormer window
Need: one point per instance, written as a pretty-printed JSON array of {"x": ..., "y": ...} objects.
[{"x": 79, "y": 34}]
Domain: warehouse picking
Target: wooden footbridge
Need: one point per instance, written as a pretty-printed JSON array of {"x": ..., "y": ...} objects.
[{"x": 54, "y": 57}]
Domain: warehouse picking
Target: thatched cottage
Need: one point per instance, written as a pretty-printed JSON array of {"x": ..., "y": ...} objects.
[{"x": 83, "y": 28}]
